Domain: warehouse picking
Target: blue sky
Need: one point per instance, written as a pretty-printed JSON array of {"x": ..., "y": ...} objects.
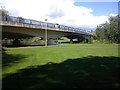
[{"x": 100, "y": 8}]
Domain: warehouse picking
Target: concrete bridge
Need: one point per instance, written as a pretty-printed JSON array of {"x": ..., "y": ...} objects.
[{"x": 17, "y": 28}]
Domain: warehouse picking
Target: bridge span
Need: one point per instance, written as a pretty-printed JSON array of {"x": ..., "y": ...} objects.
[{"x": 17, "y": 28}]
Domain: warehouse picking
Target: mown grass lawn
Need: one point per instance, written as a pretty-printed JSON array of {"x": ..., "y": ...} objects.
[{"x": 58, "y": 67}]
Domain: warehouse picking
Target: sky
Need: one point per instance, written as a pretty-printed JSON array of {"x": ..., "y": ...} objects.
[
  {"x": 85, "y": 14},
  {"x": 100, "y": 8}
]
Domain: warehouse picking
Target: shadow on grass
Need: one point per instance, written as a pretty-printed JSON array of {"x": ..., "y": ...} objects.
[
  {"x": 87, "y": 72},
  {"x": 9, "y": 59}
]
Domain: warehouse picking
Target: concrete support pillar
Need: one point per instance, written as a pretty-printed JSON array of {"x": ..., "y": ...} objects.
[
  {"x": 16, "y": 43},
  {"x": 56, "y": 40},
  {"x": 86, "y": 40},
  {"x": 80, "y": 39},
  {"x": 71, "y": 41}
]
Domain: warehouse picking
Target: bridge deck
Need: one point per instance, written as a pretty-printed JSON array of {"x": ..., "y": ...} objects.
[{"x": 27, "y": 23}]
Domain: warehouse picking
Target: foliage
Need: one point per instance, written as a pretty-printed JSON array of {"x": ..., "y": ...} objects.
[
  {"x": 34, "y": 40},
  {"x": 109, "y": 31}
]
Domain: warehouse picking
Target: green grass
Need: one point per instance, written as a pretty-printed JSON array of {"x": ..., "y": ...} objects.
[
  {"x": 59, "y": 41},
  {"x": 66, "y": 40},
  {"x": 55, "y": 66}
]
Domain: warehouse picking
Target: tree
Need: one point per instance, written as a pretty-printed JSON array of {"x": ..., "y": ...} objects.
[
  {"x": 109, "y": 31},
  {"x": 114, "y": 32}
]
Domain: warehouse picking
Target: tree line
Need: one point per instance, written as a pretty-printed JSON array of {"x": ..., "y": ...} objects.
[{"x": 109, "y": 31}]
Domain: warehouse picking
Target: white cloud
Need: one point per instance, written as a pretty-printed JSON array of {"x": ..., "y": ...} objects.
[
  {"x": 113, "y": 14},
  {"x": 56, "y": 11}
]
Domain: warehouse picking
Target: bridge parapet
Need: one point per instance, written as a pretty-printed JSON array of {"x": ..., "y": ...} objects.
[{"x": 28, "y": 23}]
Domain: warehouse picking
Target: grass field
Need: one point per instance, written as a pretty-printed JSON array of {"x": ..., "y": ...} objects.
[{"x": 62, "y": 66}]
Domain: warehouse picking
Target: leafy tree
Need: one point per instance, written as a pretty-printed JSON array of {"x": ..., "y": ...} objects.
[
  {"x": 114, "y": 32},
  {"x": 109, "y": 31}
]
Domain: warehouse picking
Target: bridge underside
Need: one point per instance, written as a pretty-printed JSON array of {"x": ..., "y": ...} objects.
[
  {"x": 21, "y": 32},
  {"x": 13, "y": 35}
]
